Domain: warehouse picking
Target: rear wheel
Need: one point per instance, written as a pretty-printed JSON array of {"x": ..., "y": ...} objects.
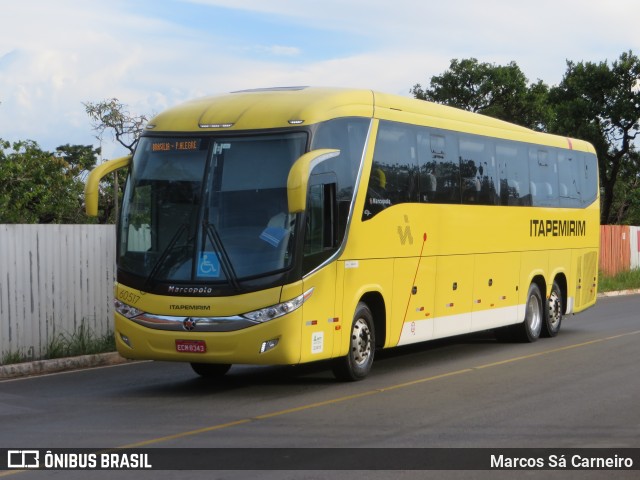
[
  {"x": 210, "y": 370},
  {"x": 529, "y": 330},
  {"x": 554, "y": 313},
  {"x": 357, "y": 363}
]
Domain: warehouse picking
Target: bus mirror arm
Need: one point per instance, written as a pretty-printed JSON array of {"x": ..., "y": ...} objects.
[
  {"x": 298, "y": 179},
  {"x": 91, "y": 188}
]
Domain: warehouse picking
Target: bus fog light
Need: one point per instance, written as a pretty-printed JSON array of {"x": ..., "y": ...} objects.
[
  {"x": 268, "y": 345},
  {"x": 126, "y": 340}
]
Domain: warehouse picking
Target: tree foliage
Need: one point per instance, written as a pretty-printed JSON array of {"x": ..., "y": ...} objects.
[
  {"x": 601, "y": 103},
  {"x": 112, "y": 115},
  {"x": 597, "y": 102},
  {"x": 500, "y": 91},
  {"x": 43, "y": 187}
]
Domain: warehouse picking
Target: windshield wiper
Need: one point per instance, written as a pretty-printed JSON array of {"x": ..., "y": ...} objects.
[
  {"x": 165, "y": 254},
  {"x": 225, "y": 260}
]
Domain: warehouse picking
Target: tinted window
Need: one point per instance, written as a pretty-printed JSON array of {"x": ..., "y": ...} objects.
[
  {"x": 569, "y": 185},
  {"x": 589, "y": 178},
  {"x": 543, "y": 171},
  {"x": 513, "y": 172},
  {"x": 394, "y": 173},
  {"x": 439, "y": 167},
  {"x": 478, "y": 171},
  {"x": 349, "y": 136}
]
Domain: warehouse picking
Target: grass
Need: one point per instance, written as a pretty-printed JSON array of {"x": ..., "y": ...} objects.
[
  {"x": 83, "y": 341},
  {"x": 629, "y": 280},
  {"x": 13, "y": 357},
  {"x": 80, "y": 342}
]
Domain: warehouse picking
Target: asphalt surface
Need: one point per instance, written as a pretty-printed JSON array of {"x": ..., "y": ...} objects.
[{"x": 578, "y": 390}]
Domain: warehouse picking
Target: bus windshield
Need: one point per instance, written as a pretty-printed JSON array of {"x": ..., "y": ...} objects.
[{"x": 209, "y": 209}]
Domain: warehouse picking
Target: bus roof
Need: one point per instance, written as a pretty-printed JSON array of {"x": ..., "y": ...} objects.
[{"x": 290, "y": 106}]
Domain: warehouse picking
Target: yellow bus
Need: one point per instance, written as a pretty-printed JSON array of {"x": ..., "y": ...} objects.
[{"x": 292, "y": 225}]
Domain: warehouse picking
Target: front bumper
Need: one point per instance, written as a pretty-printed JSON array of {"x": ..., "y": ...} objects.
[{"x": 136, "y": 341}]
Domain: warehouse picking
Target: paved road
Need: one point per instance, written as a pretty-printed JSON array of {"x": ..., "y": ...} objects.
[{"x": 580, "y": 389}]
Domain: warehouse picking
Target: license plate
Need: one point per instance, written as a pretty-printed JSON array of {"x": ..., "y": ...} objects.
[{"x": 191, "y": 346}]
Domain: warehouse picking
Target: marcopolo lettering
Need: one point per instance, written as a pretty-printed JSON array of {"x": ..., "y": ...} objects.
[
  {"x": 192, "y": 290},
  {"x": 557, "y": 228}
]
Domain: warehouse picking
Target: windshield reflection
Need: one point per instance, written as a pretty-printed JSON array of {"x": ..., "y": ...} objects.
[{"x": 208, "y": 210}]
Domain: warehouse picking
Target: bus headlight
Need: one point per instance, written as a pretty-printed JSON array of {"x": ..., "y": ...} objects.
[
  {"x": 275, "y": 311},
  {"x": 126, "y": 310}
]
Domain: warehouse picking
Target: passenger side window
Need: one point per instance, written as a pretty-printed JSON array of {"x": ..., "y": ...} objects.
[
  {"x": 569, "y": 185},
  {"x": 513, "y": 172},
  {"x": 543, "y": 170},
  {"x": 439, "y": 168},
  {"x": 431, "y": 165},
  {"x": 349, "y": 136},
  {"x": 478, "y": 171},
  {"x": 589, "y": 178},
  {"x": 394, "y": 173}
]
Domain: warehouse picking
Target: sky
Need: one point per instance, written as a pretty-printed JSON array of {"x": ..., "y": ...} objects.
[{"x": 154, "y": 54}]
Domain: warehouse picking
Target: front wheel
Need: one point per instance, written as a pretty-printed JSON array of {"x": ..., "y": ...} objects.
[
  {"x": 357, "y": 363},
  {"x": 210, "y": 370}
]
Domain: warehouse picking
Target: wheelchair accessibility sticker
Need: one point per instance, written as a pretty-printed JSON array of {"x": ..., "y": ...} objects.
[{"x": 208, "y": 265}]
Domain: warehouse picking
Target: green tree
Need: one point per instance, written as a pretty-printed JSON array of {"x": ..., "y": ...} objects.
[
  {"x": 597, "y": 102},
  {"x": 43, "y": 187},
  {"x": 113, "y": 116},
  {"x": 601, "y": 103},
  {"x": 500, "y": 91},
  {"x": 626, "y": 199}
]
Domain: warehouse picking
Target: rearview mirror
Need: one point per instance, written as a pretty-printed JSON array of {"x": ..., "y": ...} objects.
[
  {"x": 91, "y": 188},
  {"x": 298, "y": 179}
]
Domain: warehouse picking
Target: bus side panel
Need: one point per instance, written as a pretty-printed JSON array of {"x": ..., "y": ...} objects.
[
  {"x": 495, "y": 290},
  {"x": 586, "y": 275},
  {"x": 413, "y": 310},
  {"x": 319, "y": 321},
  {"x": 454, "y": 287},
  {"x": 360, "y": 278}
]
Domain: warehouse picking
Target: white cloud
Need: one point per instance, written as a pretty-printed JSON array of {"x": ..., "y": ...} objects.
[
  {"x": 278, "y": 50},
  {"x": 56, "y": 55}
]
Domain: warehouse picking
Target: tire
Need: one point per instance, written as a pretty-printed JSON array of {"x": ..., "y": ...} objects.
[
  {"x": 210, "y": 370},
  {"x": 554, "y": 313},
  {"x": 362, "y": 344},
  {"x": 529, "y": 330}
]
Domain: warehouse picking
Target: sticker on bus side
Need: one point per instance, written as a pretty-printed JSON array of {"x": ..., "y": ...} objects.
[{"x": 317, "y": 342}]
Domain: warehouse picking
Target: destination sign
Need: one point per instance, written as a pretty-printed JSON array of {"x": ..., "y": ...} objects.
[{"x": 175, "y": 145}]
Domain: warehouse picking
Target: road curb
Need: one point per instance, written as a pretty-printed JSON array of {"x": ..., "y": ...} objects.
[
  {"x": 620, "y": 293},
  {"x": 41, "y": 367}
]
